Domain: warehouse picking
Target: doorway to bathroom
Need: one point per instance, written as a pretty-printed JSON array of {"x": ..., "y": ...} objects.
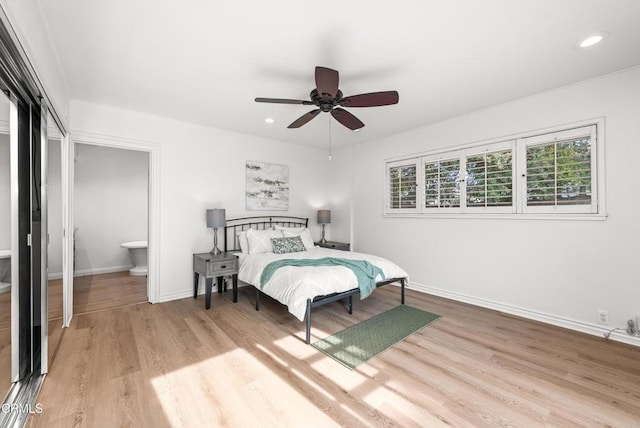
[{"x": 111, "y": 227}]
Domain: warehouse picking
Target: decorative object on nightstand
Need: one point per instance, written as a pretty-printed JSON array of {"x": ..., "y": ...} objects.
[
  {"x": 215, "y": 266},
  {"x": 216, "y": 218},
  {"x": 343, "y": 246},
  {"x": 324, "y": 218}
]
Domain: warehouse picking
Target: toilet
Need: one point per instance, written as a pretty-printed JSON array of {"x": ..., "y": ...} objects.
[
  {"x": 138, "y": 255},
  {"x": 5, "y": 271}
]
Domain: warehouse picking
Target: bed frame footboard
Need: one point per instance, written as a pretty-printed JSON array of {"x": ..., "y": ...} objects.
[{"x": 323, "y": 300}]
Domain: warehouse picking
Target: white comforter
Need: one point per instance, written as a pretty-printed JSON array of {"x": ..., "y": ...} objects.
[{"x": 292, "y": 285}]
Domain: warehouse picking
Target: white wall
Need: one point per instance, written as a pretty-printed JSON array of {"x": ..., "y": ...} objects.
[
  {"x": 558, "y": 271},
  {"x": 204, "y": 168},
  {"x": 340, "y": 196},
  {"x": 110, "y": 206}
]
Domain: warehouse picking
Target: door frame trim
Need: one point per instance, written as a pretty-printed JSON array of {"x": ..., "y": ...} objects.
[{"x": 153, "y": 248}]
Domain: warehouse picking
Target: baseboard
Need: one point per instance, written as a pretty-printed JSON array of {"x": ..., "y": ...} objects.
[
  {"x": 592, "y": 329},
  {"x": 175, "y": 296},
  {"x": 184, "y": 294},
  {"x": 97, "y": 271},
  {"x": 56, "y": 275}
]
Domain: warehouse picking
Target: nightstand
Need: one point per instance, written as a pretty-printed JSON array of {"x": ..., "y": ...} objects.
[
  {"x": 215, "y": 266},
  {"x": 344, "y": 246}
]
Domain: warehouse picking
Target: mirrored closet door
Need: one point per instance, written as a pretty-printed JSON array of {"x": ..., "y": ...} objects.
[
  {"x": 24, "y": 234},
  {"x": 5, "y": 249}
]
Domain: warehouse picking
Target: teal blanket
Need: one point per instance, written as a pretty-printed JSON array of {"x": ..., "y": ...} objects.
[{"x": 364, "y": 271}]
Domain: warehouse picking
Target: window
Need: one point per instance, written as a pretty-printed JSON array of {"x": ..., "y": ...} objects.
[
  {"x": 559, "y": 172},
  {"x": 489, "y": 179},
  {"x": 402, "y": 185},
  {"x": 442, "y": 183},
  {"x": 553, "y": 172}
]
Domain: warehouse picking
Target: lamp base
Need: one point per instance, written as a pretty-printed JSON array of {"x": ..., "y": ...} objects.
[
  {"x": 323, "y": 240},
  {"x": 215, "y": 250}
]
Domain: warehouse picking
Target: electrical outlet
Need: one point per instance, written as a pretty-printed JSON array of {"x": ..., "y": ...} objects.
[{"x": 603, "y": 317}]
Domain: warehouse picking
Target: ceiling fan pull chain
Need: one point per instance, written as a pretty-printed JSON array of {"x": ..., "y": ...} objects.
[{"x": 329, "y": 137}]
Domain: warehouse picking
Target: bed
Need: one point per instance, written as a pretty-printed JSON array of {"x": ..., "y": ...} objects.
[{"x": 300, "y": 289}]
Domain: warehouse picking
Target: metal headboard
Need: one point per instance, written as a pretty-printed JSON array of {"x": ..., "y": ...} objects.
[{"x": 235, "y": 225}]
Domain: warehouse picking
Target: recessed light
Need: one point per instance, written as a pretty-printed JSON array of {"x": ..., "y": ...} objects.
[
  {"x": 591, "y": 40},
  {"x": 269, "y": 120}
]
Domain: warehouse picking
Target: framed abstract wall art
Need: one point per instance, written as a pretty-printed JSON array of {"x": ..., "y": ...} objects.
[{"x": 267, "y": 186}]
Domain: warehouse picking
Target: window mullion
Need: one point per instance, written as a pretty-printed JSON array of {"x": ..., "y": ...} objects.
[
  {"x": 462, "y": 181},
  {"x": 486, "y": 182},
  {"x": 420, "y": 185},
  {"x": 515, "y": 197},
  {"x": 438, "y": 187},
  {"x": 555, "y": 173},
  {"x": 521, "y": 175}
]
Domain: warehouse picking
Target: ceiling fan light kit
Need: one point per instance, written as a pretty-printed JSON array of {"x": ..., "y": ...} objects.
[{"x": 329, "y": 99}]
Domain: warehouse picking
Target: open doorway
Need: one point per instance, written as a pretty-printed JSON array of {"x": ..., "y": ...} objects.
[{"x": 111, "y": 227}]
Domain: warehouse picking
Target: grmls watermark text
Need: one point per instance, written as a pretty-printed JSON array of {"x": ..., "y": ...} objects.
[{"x": 21, "y": 408}]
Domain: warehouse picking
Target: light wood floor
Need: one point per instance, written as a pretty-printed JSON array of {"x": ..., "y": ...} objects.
[
  {"x": 91, "y": 293},
  {"x": 176, "y": 364}
]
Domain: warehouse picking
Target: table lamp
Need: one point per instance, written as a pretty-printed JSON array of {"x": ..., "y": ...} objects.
[
  {"x": 216, "y": 218},
  {"x": 324, "y": 217}
]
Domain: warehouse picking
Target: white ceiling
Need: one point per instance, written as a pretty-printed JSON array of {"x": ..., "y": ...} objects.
[{"x": 205, "y": 61}]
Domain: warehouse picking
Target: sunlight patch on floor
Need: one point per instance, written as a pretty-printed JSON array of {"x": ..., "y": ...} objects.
[
  {"x": 220, "y": 391},
  {"x": 312, "y": 384},
  {"x": 295, "y": 346},
  {"x": 272, "y": 355},
  {"x": 339, "y": 374}
]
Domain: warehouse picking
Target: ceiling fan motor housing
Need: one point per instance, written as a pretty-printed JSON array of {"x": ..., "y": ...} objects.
[{"x": 325, "y": 103}]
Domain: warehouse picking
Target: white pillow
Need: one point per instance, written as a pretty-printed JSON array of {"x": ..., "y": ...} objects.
[
  {"x": 303, "y": 233},
  {"x": 260, "y": 240},
  {"x": 242, "y": 240}
]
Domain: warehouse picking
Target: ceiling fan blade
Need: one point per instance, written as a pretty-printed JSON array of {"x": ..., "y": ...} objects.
[
  {"x": 283, "y": 101},
  {"x": 304, "y": 119},
  {"x": 327, "y": 82},
  {"x": 347, "y": 119},
  {"x": 373, "y": 99}
]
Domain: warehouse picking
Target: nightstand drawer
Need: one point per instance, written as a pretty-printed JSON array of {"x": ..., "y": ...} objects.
[
  {"x": 222, "y": 267},
  {"x": 343, "y": 246}
]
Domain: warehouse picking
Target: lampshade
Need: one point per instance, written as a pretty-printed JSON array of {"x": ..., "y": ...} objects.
[
  {"x": 216, "y": 218},
  {"x": 324, "y": 216}
]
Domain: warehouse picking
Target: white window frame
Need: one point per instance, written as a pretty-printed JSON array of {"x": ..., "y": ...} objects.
[{"x": 518, "y": 144}]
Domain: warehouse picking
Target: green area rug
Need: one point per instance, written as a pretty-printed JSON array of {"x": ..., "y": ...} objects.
[{"x": 361, "y": 342}]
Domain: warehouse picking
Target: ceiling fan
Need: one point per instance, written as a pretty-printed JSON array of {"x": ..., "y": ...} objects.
[{"x": 328, "y": 98}]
